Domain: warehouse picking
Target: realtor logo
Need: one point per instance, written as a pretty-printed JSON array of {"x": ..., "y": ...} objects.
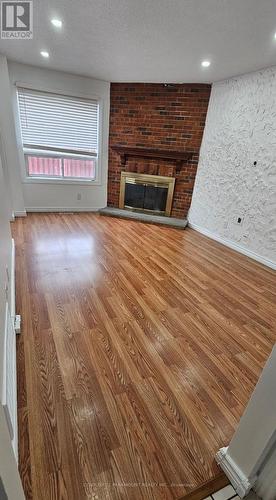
[{"x": 17, "y": 19}]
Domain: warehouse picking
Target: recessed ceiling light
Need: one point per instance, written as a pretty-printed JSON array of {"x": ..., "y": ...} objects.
[
  {"x": 275, "y": 35},
  {"x": 56, "y": 22},
  {"x": 44, "y": 53},
  {"x": 205, "y": 64}
]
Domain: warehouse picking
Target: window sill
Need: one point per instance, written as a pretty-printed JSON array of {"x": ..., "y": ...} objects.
[{"x": 78, "y": 182}]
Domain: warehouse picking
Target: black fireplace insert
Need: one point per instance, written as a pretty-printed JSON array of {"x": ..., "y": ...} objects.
[{"x": 146, "y": 197}]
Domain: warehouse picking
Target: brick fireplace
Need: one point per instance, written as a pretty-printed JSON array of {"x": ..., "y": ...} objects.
[{"x": 168, "y": 119}]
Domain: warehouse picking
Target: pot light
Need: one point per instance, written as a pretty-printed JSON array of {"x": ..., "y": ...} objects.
[
  {"x": 56, "y": 22},
  {"x": 205, "y": 64},
  {"x": 44, "y": 53},
  {"x": 275, "y": 35}
]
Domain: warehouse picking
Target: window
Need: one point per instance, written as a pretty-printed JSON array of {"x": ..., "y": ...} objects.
[{"x": 59, "y": 135}]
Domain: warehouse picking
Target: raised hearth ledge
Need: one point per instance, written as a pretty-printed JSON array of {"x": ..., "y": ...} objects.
[{"x": 142, "y": 217}]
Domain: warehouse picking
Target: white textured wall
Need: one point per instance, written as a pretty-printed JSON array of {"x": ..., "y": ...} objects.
[{"x": 240, "y": 129}]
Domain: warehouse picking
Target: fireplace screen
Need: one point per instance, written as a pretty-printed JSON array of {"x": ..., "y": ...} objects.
[{"x": 147, "y": 193}]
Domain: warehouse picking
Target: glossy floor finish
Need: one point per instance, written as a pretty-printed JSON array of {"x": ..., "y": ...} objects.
[{"x": 140, "y": 347}]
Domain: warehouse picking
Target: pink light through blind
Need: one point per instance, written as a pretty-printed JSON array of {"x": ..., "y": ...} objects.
[
  {"x": 52, "y": 167},
  {"x": 79, "y": 168}
]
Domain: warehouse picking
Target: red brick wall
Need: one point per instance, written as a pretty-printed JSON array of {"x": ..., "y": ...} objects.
[{"x": 153, "y": 115}]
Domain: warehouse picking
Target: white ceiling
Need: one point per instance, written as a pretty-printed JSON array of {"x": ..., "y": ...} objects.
[{"x": 151, "y": 40}]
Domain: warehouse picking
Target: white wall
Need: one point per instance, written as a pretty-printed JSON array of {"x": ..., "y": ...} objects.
[
  {"x": 5, "y": 264},
  {"x": 8, "y": 467},
  {"x": 240, "y": 129},
  {"x": 258, "y": 423},
  {"x": 54, "y": 195},
  {"x": 266, "y": 483},
  {"x": 9, "y": 152},
  {"x": 253, "y": 444}
]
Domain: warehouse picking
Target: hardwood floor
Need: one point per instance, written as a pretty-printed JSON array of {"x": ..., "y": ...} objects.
[{"x": 140, "y": 347}]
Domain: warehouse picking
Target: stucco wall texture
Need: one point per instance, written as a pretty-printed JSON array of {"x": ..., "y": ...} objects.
[{"x": 236, "y": 175}]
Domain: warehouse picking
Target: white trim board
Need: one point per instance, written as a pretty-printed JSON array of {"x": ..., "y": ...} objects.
[
  {"x": 62, "y": 209},
  {"x": 239, "y": 481},
  {"x": 21, "y": 213},
  {"x": 234, "y": 246}
]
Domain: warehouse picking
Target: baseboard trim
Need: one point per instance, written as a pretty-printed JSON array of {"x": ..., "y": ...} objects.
[
  {"x": 62, "y": 209},
  {"x": 239, "y": 481},
  {"x": 20, "y": 213},
  {"x": 233, "y": 246},
  {"x": 207, "y": 488}
]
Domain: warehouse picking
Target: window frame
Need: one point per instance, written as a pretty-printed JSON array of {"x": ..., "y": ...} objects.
[
  {"x": 26, "y": 179},
  {"x": 58, "y": 154}
]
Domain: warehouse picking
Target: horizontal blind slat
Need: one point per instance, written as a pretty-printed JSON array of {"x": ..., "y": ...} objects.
[{"x": 54, "y": 120}]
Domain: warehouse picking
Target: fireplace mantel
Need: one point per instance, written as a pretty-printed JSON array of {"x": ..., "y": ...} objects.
[{"x": 178, "y": 156}]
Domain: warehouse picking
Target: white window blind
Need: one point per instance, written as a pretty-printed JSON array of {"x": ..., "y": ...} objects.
[{"x": 57, "y": 122}]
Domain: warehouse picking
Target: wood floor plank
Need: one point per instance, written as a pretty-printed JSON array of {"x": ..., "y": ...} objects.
[
  {"x": 24, "y": 451},
  {"x": 139, "y": 350}
]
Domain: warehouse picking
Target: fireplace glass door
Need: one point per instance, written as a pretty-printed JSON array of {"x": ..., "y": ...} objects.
[
  {"x": 146, "y": 197},
  {"x": 146, "y": 193}
]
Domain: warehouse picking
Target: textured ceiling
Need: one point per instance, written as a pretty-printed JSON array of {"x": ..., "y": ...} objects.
[{"x": 151, "y": 40}]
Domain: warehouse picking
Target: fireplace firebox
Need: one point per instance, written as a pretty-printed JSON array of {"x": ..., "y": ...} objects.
[{"x": 146, "y": 193}]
